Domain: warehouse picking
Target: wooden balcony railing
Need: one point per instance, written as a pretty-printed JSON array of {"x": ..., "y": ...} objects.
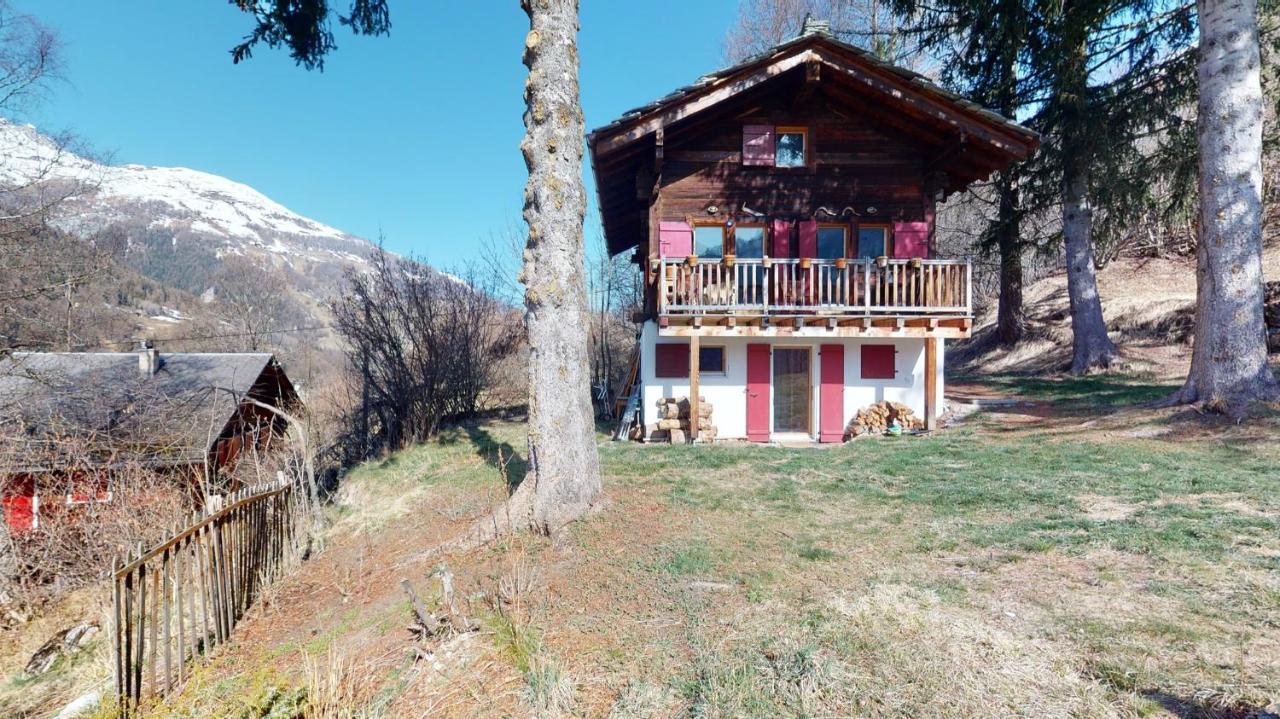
[{"x": 892, "y": 288}]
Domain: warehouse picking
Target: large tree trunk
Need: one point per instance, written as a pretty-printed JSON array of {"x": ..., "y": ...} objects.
[
  {"x": 564, "y": 468},
  {"x": 1011, "y": 315},
  {"x": 1091, "y": 348},
  {"x": 1229, "y": 361}
]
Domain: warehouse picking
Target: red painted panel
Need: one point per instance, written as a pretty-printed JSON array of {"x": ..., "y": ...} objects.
[
  {"x": 19, "y": 512},
  {"x": 879, "y": 362},
  {"x": 781, "y": 239},
  {"x": 831, "y": 393},
  {"x": 671, "y": 360},
  {"x": 757, "y": 145},
  {"x": 910, "y": 239},
  {"x": 675, "y": 239},
  {"x": 758, "y": 371},
  {"x": 808, "y": 238}
]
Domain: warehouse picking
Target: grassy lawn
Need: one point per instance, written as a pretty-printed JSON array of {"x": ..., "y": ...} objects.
[
  {"x": 1089, "y": 393},
  {"x": 990, "y": 570}
]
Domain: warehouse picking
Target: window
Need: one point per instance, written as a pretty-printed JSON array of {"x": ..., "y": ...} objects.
[
  {"x": 873, "y": 241},
  {"x": 711, "y": 360},
  {"x": 748, "y": 241},
  {"x": 708, "y": 241},
  {"x": 878, "y": 362},
  {"x": 790, "y": 147},
  {"x": 830, "y": 243}
]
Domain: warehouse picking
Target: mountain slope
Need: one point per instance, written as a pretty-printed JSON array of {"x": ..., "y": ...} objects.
[{"x": 182, "y": 228}]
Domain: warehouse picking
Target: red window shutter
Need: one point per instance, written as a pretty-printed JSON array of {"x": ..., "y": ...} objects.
[
  {"x": 910, "y": 239},
  {"x": 879, "y": 361},
  {"x": 675, "y": 239},
  {"x": 808, "y": 238},
  {"x": 831, "y": 393},
  {"x": 781, "y": 239},
  {"x": 757, "y": 145},
  {"x": 19, "y": 513},
  {"x": 671, "y": 360}
]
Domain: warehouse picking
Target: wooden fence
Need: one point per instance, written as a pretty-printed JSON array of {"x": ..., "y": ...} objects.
[{"x": 185, "y": 595}]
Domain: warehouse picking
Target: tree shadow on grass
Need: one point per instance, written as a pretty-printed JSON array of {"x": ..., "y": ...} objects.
[
  {"x": 500, "y": 455},
  {"x": 1206, "y": 708}
]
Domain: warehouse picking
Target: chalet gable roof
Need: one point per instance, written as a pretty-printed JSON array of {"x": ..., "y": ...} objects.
[
  {"x": 902, "y": 86},
  {"x": 959, "y": 141}
]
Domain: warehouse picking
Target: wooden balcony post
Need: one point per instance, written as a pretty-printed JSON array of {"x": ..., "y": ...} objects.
[
  {"x": 930, "y": 383},
  {"x": 693, "y": 388}
]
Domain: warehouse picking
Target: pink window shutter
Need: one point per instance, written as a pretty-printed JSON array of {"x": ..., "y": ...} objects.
[
  {"x": 910, "y": 239},
  {"x": 781, "y": 239},
  {"x": 757, "y": 145},
  {"x": 675, "y": 239},
  {"x": 808, "y": 238}
]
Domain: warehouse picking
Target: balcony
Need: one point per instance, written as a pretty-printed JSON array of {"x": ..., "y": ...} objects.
[{"x": 850, "y": 297}]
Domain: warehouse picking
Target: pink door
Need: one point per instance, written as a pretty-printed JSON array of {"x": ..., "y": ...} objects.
[
  {"x": 831, "y": 393},
  {"x": 758, "y": 392}
]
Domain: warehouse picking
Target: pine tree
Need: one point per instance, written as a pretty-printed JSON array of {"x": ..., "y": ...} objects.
[
  {"x": 1106, "y": 74},
  {"x": 982, "y": 45}
]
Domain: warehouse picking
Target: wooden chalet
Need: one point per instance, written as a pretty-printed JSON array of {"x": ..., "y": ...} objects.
[
  {"x": 70, "y": 421},
  {"x": 782, "y": 212}
]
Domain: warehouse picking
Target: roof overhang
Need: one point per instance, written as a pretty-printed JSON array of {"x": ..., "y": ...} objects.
[{"x": 986, "y": 140}]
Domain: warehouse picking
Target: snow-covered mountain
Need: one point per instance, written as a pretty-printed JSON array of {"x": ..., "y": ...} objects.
[
  {"x": 181, "y": 229},
  {"x": 226, "y": 215}
]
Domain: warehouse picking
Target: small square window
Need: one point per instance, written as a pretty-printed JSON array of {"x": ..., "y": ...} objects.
[
  {"x": 711, "y": 360},
  {"x": 708, "y": 241},
  {"x": 748, "y": 242},
  {"x": 871, "y": 242},
  {"x": 830, "y": 243},
  {"x": 790, "y": 147}
]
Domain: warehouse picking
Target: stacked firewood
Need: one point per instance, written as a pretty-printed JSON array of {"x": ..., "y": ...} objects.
[
  {"x": 876, "y": 419},
  {"x": 674, "y": 422}
]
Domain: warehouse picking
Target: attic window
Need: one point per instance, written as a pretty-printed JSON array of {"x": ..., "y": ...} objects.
[{"x": 791, "y": 147}]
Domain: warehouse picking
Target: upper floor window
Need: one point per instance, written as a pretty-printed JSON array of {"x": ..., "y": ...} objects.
[
  {"x": 873, "y": 241},
  {"x": 791, "y": 147},
  {"x": 748, "y": 241},
  {"x": 708, "y": 241},
  {"x": 771, "y": 146},
  {"x": 830, "y": 243}
]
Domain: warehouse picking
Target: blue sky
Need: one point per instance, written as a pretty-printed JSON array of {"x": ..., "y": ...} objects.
[{"x": 416, "y": 134}]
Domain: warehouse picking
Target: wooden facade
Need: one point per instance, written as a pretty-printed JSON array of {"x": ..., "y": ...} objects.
[
  {"x": 880, "y": 148},
  {"x": 789, "y": 202}
]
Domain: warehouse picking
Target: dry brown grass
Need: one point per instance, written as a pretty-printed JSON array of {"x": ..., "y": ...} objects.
[{"x": 1012, "y": 570}]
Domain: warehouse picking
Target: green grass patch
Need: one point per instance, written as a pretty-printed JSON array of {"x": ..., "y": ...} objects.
[{"x": 1089, "y": 392}]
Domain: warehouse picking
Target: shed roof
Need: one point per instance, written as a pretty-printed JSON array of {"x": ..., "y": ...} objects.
[{"x": 106, "y": 401}]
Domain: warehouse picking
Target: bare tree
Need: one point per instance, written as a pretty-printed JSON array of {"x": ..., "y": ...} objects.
[
  {"x": 252, "y": 299},
  {"x": 1229, "y": 370},
  {"x": 422, "y": 347},
  {"x": 871, "y": 24}
]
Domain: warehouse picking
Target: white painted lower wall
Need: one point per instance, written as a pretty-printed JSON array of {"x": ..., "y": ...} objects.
[{"x": 727, "y": 392}]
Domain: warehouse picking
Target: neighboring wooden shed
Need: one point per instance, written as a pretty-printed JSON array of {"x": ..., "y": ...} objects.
[{"x": 66, "y": 419}]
